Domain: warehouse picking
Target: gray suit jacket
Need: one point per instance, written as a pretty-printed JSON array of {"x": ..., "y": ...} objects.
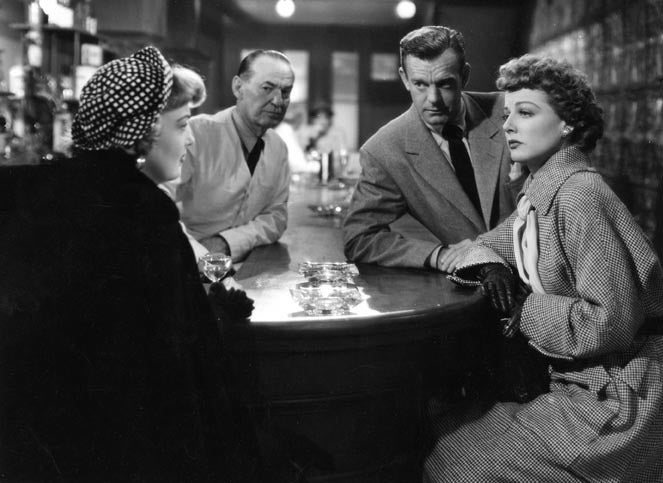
[{"x": 404, "y": 171}]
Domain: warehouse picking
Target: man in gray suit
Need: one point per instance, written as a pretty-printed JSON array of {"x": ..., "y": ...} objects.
[{"x": 444, "y": 161}]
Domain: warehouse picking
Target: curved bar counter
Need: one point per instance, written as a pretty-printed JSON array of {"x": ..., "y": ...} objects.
[{"x": 341, "y": 398}]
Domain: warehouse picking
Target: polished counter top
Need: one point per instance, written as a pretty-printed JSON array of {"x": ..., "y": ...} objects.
[
  {"x": 343, "y": 398},
  {"x": 392, "y": 296}
]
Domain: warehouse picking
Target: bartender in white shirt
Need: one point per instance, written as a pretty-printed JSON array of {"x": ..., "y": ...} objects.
[{"x": 234, "y": 187}]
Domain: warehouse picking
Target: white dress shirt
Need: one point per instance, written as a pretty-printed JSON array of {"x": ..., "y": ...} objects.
[{"x": 217, "y": 195}]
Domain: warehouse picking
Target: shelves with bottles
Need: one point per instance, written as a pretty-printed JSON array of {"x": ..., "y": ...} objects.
[
  {"x": 61, "y": 51},
  {"x": 40, "y": 109},
  {"x": 56, "y": 29},
  {"x": 67, "y": 47}
]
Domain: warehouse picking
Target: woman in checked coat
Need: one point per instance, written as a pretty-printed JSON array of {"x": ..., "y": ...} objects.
[{"x": 574, "y": 275}]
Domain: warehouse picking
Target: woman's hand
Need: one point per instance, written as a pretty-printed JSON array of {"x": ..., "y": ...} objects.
[
  {"x": 498, "y": 284},
  {"x": 230, "y": 302},
  {"x": 512, "y": 324},
  {"x": 506, "y": 295}
]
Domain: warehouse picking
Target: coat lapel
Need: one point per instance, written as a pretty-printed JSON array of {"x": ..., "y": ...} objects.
[
  {"x": 430, "y": 162},
  {"x": 486, "y": 150}
]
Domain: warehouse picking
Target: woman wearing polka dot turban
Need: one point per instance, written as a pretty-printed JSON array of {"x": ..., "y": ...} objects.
[{"x": 110, "y": 359}]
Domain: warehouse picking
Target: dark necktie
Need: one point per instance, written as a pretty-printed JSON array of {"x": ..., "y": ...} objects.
[
  {"x": 254, "y": 155},
  {"x": 461, "y": 163}
]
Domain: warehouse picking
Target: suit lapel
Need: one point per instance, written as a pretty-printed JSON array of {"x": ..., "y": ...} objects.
[
  {"x": 485, "y": 148},
  {"x": 430, "y": 162}
]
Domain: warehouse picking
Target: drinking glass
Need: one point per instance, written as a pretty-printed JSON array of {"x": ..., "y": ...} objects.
[{"x": 216, "y": 265}]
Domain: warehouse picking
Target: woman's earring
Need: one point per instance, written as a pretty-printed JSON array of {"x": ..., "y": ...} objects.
[
  {"x": 140, "y": 162},
  {"x": 566, "y": 130}
]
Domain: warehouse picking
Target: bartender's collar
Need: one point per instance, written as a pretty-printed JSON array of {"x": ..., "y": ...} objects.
[
  {"x": 459, "y": 121},
  {"x": 247, "y": 136}
]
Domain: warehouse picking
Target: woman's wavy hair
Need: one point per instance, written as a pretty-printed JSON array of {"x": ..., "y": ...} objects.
[
  {"x": 188, "y": 89},
  {"x": 568, "y": 92}
]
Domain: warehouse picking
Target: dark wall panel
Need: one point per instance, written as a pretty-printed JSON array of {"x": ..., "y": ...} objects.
[
  {"x": 493, "y": 35},
  {"x": 321, "y": 42}
]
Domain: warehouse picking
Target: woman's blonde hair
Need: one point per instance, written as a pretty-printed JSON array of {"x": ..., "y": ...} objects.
[{"x": 188, "y": 89}]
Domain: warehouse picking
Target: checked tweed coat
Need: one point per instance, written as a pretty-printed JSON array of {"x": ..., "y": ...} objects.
[{"x": 602, "y": 419}]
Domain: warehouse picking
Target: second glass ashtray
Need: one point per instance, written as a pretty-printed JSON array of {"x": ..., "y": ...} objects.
[
  {"x": 331, "y": 209},
  {"x": 328, "y": 271},
  {"x": 326, "y": 299}
]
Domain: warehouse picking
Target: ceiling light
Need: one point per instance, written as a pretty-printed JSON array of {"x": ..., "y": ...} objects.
[
  {"x": 406, "y": 9},
  {"x": 285, "y": 8}
]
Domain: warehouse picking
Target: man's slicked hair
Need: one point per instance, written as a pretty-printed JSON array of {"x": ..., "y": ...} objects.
[
  {"x": 429, "y": 42},
  {"x": 245, "y": 66}
]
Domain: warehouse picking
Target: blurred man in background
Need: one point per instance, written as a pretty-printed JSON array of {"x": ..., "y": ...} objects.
[{"x": 320, "y": 134}]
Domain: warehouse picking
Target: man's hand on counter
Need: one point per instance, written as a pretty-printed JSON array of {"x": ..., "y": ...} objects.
[
  {"x": 216, "y": 244},
  {"x": 231, "y": 283},
  {"x": 450, "y": 256}
]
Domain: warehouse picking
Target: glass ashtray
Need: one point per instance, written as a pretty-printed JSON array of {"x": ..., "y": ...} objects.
[
  {"x": 333, "y": 277},
  {"x": 328, "y": 271},
  {"x": 326, "y": 299},
  {"x": 330, "y": 209}
]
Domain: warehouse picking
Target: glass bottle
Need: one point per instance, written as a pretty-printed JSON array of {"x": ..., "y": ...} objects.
[
  {"x": 35, "y": 109},
  {"x": 90, "y": 19},
  {"x": 62, "y": 121}
]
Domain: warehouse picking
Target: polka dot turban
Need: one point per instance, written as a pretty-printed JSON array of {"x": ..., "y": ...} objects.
[{"x": 120, "y": 103}]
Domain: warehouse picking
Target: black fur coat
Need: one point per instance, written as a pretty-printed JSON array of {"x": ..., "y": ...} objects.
[{"x": 111, "y": 363}]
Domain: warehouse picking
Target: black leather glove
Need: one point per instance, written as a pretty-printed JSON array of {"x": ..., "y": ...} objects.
[
  {"x": 230, "y": 303},
  {"x": 499, "y": 285},
  {"x": 512, "y": 324}
]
